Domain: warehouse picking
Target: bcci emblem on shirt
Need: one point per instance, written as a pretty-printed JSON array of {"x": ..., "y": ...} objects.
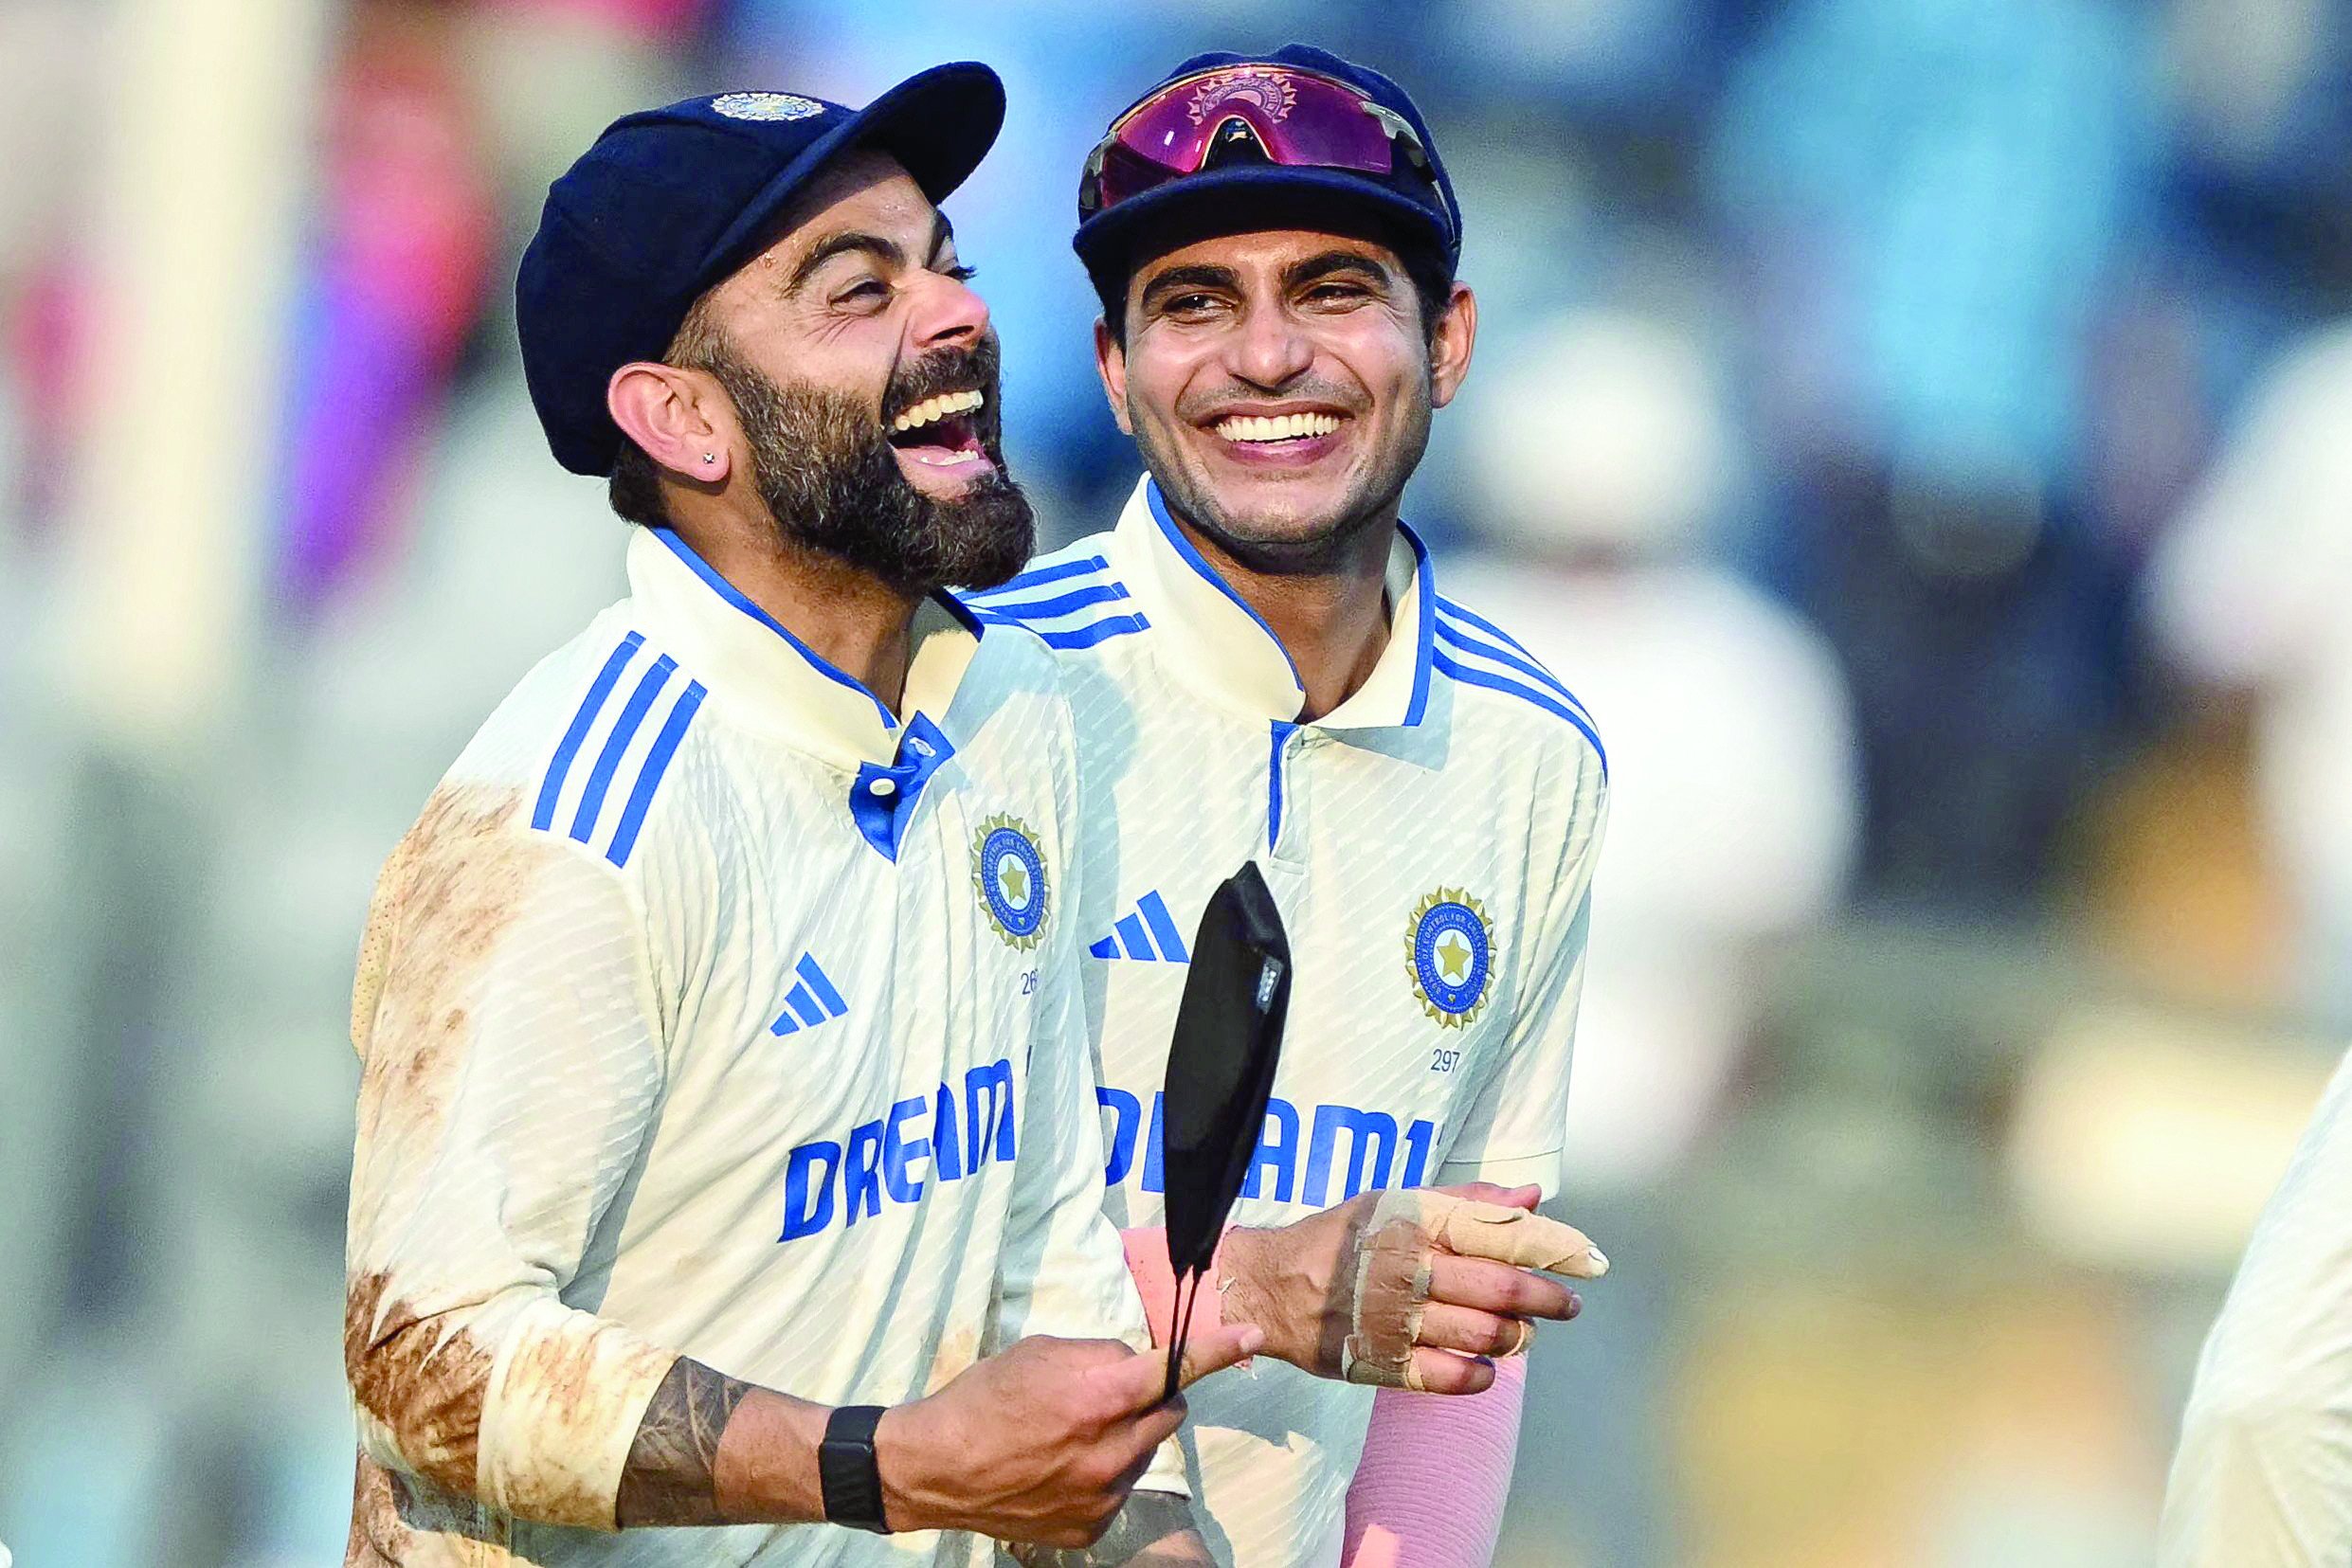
[
  {"x": 1008, "y": 872},
  {"x": 1450, "y": 952}
]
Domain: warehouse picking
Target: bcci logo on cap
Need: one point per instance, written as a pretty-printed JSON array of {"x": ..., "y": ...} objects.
[
  {"x": 1450, "y": 952},
  {"x": 765, "y": 106},
  {"x": 1269, "y": 92},
  {"x": 1008, "y": 872}
]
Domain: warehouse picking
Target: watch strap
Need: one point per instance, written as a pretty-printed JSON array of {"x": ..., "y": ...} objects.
[{"x": 848, "y": 1471}]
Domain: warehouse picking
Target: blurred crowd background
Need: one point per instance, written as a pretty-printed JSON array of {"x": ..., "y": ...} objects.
[{"x": 1920, "y": 429}]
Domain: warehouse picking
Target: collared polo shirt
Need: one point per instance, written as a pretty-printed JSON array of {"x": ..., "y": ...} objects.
[
  {"x": 1430, "y": 843},
  {"x": 2263, "y": 1475},
  {"x": 711, "y": 1009}
]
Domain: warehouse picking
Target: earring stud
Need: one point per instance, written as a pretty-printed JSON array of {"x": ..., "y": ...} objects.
[{"x": 710, "y": 457}]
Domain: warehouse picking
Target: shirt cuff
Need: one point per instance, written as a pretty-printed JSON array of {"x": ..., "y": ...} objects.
[
  {"x": 566, "y": 1401},
  {"x": 1166, "y": 1473}
]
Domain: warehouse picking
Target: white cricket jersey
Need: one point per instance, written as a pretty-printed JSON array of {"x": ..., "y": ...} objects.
[
  {"x": 2264, "y": 1475},
  {"x": 1430, "y": 843},
  {"x": 709, "y": 1010}
]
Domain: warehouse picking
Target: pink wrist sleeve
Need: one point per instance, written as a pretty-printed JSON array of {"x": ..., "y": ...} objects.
[
  {"x": 1429, "y": 1491},
  {"x": 1147, "y": 1259},
  {"x": 1404, "y": 1509}
]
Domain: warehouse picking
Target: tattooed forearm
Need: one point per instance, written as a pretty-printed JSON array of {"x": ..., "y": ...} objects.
[{"x": 668, "y": 1479}]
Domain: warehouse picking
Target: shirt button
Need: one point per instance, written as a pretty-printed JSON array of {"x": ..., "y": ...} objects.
[{"x": 882, "y": 786}]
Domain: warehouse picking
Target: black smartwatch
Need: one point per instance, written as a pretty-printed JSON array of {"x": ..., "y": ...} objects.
[{"x": 847, "y": 1470}]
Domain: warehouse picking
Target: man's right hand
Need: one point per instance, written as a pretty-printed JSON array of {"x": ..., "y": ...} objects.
[
  {"x": 1406, "y": 1288},
  {"x": 1041, "y": 1443}
]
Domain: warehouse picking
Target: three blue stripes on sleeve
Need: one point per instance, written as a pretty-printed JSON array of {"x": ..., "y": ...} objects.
[
  {"x": 592, "y": 815},
  {"x": 1068, "y": 617}
]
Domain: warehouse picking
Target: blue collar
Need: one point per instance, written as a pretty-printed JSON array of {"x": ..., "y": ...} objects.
[{"x": 756, "y": 666}]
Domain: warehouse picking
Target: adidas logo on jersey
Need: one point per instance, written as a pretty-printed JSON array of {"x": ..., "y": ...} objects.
[
  {"x": 811, "y": 1001},
  {"x": 1147, "y": 934}
]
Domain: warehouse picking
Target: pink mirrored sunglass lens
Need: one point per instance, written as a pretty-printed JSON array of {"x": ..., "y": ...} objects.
[
  {"x": 1301, "y": 121},
  {"x": 1124, "y": 174}
]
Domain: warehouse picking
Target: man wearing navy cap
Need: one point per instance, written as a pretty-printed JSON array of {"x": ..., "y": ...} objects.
[
  {"x": 723, "y": 1114},
  {"x": 1263, "y": 669}
]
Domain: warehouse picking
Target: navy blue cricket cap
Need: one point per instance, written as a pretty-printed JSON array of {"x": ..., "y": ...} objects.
[
  {"x": 670, "y": 201},
  {"x": 1422, "y": 207}
]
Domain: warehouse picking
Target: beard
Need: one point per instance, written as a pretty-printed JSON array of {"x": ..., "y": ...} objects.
[
  {"x": 1283, "y": 543},
  {"x": 824, "y": 468}
]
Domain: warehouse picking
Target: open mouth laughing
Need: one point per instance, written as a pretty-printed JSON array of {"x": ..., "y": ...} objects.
[{"x": 942, "y": 432}]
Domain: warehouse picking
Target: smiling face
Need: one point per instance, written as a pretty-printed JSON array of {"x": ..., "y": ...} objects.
[
  {"x": 861, "y": 297},
  {"x": 850, "y": 373},
  {"x": 1279, "y": 384}
]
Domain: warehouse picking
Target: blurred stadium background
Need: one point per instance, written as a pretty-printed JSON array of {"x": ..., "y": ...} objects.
[{"x": 1921, "y": 429}]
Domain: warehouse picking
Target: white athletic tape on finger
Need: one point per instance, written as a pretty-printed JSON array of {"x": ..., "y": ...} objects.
[
  {"x": 1392, "y": 1270},
  {"x": 1516, "y": 1236},
  {"x": 1391, "y": 1292}
]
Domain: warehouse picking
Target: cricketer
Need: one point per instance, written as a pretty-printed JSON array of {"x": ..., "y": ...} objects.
[
  {"x": 727, "y": 1153},
  {"x": 1264, "y": 667}
]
